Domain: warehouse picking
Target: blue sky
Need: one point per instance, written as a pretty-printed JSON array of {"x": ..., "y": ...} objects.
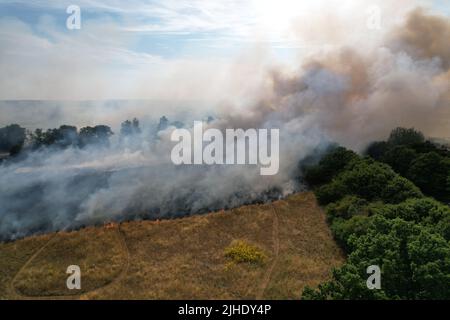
[
  {"x": 167, "y": 40},
  {"x": 172, "y": 28}
]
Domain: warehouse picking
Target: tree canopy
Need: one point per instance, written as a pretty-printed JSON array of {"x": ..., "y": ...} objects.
[
  {"x": 427, "y": 165},
  {"x": 381, "y": 218}
]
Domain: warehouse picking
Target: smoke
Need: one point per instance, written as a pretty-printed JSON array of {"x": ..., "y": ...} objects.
[
  {"x": 423, "y": 36},
  {"x": 64, "y": 189},
  {"x": 346, "y": 94},
  {"x": 355, "y": 95}
]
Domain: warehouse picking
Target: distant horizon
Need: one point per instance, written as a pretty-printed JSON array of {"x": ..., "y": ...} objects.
[{"x": 48, "y": 114}]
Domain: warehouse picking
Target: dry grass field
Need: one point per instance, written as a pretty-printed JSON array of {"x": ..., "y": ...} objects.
[{"x": 180, "y": 259}]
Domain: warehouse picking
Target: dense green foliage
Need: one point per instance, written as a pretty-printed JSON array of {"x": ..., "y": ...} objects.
[
  {"x": 420, "y": 161},
  {"x": 403, "y": 136},
  {"x": 381, "y": 218},
  {"x": 331, "y": 164},
  {"x": 369, "y": 180}
]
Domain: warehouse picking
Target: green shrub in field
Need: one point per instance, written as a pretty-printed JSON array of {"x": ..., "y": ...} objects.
[{"x": 241, "y": 252}]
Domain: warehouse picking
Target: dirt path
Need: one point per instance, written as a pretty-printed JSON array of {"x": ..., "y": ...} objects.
[
  {"x": 15, "y": 294},
  {"x": 276, "y": 247}
]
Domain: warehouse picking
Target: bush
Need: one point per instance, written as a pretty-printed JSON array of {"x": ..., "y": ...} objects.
[
  {"x": 415, "y": 264},
  {"x": 368, "y": 180},
  {"x": 342, "y": 230},
  {"x": 241, "y": 252},
  {"x": 380, "y": 218},
  {"x": 403, "y": 136},
  {"x": 399, "y": 158},
  {"x": 331, "y": 164},
  {"x": 425, "y": 211},
  {"x": 346, "y": 208},
  {"x": 429, "y": 254},
  {"x": 331, "y": 192},
  {"x": 431, "y": 173},
  {"x": 348, "y": 283},
  {"x": 425, "y": 164},
  {"x": 376, "y": 150},
  {"x": 400, "y": 189},
  {"x": 443, "y": 227}
]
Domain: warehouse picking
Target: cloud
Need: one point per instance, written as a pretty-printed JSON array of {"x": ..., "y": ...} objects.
[
  {"x": 96, "y": 63},
  {"x": 175, "y": 49}
]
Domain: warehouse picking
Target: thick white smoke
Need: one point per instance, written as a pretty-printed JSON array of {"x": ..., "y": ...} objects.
[{"x": 347, "y": 94}]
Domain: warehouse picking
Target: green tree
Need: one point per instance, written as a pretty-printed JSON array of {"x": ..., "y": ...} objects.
[
  {"x": 381, "y": 218},
  {"x": 425, "y": 211},
  {"x": 369, "y": 180},
  {"x": 415, "y": 264},
  {"x": 347, "y": 207},
  {"x": 431, "y": 172},
  {"x": 95, "y": 135},
  {"x": 399, "y": 158},
  {"x": 376, "y": 150},
  {"x": 331, "y": 164},
  {"x": 429, "y": 256},
  {"x": 403, "y": 136}
]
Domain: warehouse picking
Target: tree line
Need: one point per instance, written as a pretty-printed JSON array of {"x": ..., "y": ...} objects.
[
  {"x": 14, "y": 138},
  {"x": 380, "y": 217},
  {"x": 422, "y": 162}
]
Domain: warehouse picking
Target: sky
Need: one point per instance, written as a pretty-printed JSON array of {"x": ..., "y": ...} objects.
[{"x": 173, "y": 49}]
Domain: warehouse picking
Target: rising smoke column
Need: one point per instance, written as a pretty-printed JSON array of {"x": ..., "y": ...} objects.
[
  {"x": 354, "y": 96},
  {"x": 348, "y": 95}
]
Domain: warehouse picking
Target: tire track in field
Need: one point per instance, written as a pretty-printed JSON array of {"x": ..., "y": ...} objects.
[
  {"x": 18, "y": 295},
  {"x": 12, "y": 289}
]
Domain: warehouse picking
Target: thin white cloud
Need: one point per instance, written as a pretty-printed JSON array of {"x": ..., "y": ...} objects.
[{"x": 44, "y": 61}]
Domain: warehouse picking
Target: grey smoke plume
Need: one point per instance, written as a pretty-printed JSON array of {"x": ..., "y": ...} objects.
[
  {"x": 356, "y": 95},
  {"x": 347, "y": 95}
]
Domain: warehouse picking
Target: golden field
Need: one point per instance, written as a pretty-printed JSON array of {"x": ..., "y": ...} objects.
[{"x": 181, "y": 258}]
